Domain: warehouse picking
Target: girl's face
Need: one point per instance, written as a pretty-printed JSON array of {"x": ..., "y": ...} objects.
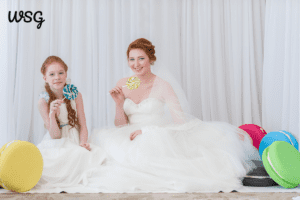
[
  {"x": 55, "y": 76},
  {"x": 139, "y": 62}
]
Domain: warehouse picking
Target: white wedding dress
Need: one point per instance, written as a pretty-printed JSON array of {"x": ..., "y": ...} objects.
[
  {"x": 66, "y": 164},
  {"x": 193, "y": 157}
]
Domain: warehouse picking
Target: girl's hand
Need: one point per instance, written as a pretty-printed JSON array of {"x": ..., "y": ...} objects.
[
  {"x": 86, "y": 145},
  {"x": 54, "y": 106},
  {"x": 117, "y": 94},
  {"x": 134, "y": 134}
]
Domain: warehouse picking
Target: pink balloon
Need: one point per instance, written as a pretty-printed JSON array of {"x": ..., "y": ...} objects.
[{"x": 255, "y": 132}]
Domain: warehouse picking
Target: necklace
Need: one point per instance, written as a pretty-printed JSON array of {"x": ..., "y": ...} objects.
[{"x": 149, "y": 81}]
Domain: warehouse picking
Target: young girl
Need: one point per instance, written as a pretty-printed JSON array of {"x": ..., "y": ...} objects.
[{"x": 66, "y": 154}]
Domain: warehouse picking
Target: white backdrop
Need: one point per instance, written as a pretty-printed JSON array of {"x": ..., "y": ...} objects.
[
  {"x": 215, "y": 48},
  {"x": 3, "y": 72},
  {"x": 281, "y": 78}
]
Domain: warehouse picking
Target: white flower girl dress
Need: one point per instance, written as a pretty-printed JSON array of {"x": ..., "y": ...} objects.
[{"x": 66, "y": 164}]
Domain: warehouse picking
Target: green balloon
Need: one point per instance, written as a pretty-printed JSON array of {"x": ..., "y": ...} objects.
[{"x": 282, "y": 162}]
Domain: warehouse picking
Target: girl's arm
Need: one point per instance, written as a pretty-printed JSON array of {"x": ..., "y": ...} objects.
[
  {"x": 49, "y": 120},
  {"x": 83, "y": 134}
]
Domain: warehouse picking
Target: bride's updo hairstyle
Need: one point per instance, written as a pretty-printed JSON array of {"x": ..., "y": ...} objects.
[
  {"x": 146, "y": 46},
  {"x": 73, "y": 120}
]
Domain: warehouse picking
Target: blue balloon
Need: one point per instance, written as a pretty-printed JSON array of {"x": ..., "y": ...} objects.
[{"x": 277, "y": 136}]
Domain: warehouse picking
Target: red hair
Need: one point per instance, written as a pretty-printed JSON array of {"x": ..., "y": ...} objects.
[
  {"x": 73, "y": 120},
  {"x": 145, "y": 45}
]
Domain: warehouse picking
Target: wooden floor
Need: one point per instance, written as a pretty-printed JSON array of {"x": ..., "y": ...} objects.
[{"x": 194, "y": 196}]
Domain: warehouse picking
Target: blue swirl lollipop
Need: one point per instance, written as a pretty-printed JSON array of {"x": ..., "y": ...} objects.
[{"x": 70, "y": 92}]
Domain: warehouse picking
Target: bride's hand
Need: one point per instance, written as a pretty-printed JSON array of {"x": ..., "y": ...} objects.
[
  {"x": 86, "y": 145},
  {"x": 117, "y": 94},
  {"x": 134, "y": 134},
  {"x": 242, "y": 137}
]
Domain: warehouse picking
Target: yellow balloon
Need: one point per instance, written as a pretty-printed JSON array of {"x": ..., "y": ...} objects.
[
  {"x": 21, "y": 166},
  {"x": 133, "y": 83}
]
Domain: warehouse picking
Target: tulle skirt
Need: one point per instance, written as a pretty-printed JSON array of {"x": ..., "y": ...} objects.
[
  {"x": 66, "y": 164},
  {"x": 194, "y": 157}
]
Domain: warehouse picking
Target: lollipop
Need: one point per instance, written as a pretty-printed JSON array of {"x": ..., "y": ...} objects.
[
  {"x": 70, "y": 92},
  {"x": 132, "y": 83}
]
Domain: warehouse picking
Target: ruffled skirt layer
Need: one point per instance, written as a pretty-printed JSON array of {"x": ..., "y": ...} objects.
[
  {"x": 194, "y": 157},
  {"x": 66, "y": 164}
]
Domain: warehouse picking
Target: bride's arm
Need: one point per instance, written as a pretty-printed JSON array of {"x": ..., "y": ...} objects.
[
  {"x": 173, "y": 104},
  {"x": 119, "y": 98},
  {"x": 121, "y": 118}
]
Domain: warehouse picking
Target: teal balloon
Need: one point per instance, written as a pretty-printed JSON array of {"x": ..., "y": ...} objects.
[{"x": 277, "y": 136}]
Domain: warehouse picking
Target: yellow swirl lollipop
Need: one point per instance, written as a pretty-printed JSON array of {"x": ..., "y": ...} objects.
[{"x": 133, "y": 83}]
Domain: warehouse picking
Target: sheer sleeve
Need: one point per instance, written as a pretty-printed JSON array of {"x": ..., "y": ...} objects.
[
  {"x": 173, "y": 104},
  {"x": 164, "y": 91},
  {"x": 44, "y": 95}
]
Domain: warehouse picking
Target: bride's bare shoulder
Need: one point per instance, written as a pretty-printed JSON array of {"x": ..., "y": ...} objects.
[
  {"x": 122, "y": 81},
  {"x": 161, "y": 81}
]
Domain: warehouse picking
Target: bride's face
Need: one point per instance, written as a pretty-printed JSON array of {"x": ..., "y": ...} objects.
[{"x": 139, "y": 62}]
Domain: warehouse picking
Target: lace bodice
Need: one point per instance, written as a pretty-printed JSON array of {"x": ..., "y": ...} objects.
[{"x": 149, "y": 111}]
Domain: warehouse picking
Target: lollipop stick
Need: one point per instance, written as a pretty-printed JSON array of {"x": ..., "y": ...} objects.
[
  {"x": 122, "y": 86},
  {"x": 131, "y": 83}
]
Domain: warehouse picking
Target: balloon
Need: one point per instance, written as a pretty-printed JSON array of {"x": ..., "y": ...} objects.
[
  {"x": 282, "y": 162},
  {"x": 21, "y": 166},
  {"x": 255, "y": 132}
]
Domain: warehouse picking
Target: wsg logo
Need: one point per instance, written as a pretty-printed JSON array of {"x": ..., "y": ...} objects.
[{"x": 27, "y": 15}]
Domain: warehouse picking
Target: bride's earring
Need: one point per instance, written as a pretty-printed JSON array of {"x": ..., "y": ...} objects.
[{"x": 68, "y": 81}]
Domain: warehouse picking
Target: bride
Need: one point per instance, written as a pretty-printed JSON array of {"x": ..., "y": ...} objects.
[{"x": 157, "y": 146}]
